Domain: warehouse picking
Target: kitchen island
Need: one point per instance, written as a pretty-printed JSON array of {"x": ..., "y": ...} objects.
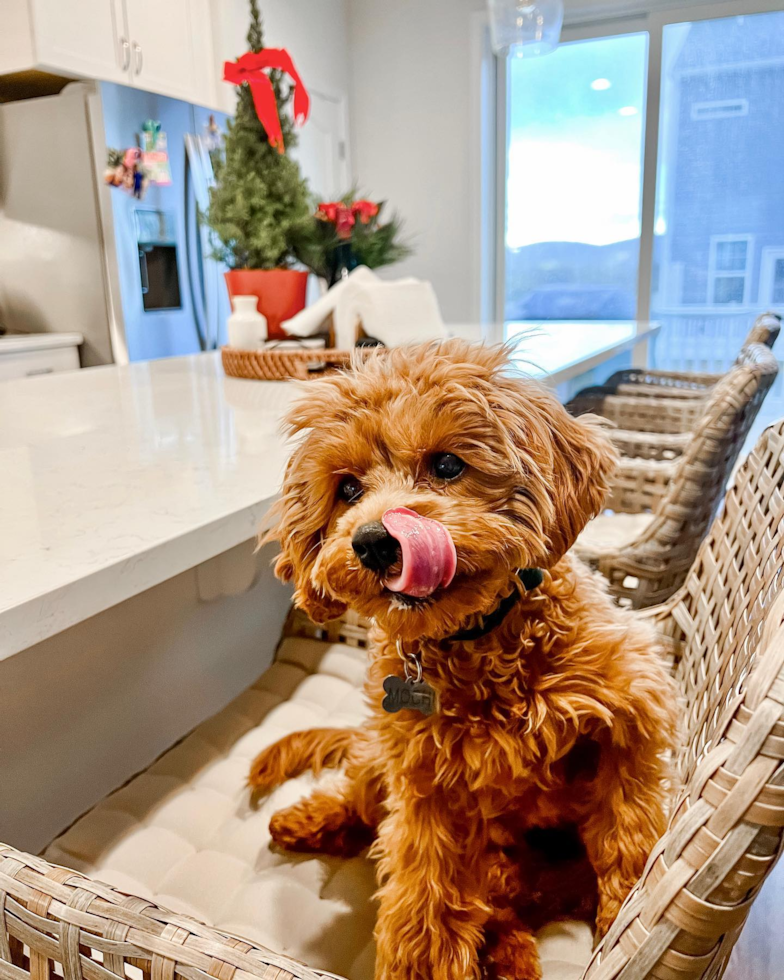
[
  {"x": 118, "y": 478},
  {"x": 133, "y": 603}
]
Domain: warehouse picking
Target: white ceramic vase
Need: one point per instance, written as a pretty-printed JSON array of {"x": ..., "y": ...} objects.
[{"x": 246, "y": 327}]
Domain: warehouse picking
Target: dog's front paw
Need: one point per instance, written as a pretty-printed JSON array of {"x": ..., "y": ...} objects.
[
  {"x": 321, "y": 825},
  {"x": 413, "y": 958},
  {"x": 266, "y": 771},
  {"x": 512, "y": 956}
]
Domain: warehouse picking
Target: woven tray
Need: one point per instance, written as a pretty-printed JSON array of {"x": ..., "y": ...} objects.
[{"x": 281, "y": 365}]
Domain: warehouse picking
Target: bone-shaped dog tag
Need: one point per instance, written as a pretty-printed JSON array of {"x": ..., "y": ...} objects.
[{"x": 415, "y": 695}]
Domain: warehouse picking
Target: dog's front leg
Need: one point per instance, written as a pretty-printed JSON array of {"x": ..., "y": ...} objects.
[
  {"x": 326, "y": 822},
  {"x": 627, "y": 817},
  {"x": 430, "y": 923},
  {"x": 339, "y": 820}
]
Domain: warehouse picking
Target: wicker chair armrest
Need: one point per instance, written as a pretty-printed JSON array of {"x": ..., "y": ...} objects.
[
  {"x": 649, "y": 445},
  {"x": 661, "y": 617},
  {"x": 650, "y": 414},
  {"x": 351, "y": 628},
  {"x": 662, "y": 391},
  {"x": 639, "y": 485},
  {"x": 62, "y": 915},
  {"x": 662, "y": 382},
  {"x": 589, "y": 401}
]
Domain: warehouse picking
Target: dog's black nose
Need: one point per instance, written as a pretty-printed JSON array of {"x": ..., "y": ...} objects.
[{"x": 375, "y": 547}]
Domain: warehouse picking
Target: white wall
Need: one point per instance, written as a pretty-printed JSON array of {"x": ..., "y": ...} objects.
[
  {"x": 413, "y": 132},
  {"x": 314, "y": 31}
]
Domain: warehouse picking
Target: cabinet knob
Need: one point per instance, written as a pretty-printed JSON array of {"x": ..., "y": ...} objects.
[{"x": 137, "y": 50}]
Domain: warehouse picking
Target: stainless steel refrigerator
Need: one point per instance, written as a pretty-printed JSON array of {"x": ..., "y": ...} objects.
[{"x": 133, "y": 276}]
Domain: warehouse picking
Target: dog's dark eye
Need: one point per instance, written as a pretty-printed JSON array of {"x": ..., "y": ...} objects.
[
  {"x": 350, "y": 489},
  {"x": 447, "y": 466}
]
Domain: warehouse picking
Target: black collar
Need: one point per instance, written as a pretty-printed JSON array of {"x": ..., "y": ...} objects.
[{"x": 530, "y": 578}]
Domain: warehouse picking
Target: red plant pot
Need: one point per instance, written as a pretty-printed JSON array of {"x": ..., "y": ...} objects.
[{"x": 280, "y": 293}]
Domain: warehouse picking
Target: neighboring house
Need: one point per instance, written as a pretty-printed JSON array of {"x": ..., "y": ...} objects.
[
  {"x": 721, "y": 257},
  {"x": 718, "y": 256}
]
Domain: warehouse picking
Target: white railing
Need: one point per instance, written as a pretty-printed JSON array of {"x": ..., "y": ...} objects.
[{"x": 699, "y": 339}]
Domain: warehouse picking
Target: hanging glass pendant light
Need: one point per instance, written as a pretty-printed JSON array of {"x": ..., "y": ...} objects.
[{"x": 523, "y": 28}]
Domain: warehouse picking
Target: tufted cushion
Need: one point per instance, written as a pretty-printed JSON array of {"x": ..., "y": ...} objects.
[
  {"x": 612, "y": 531},
  {"x": 183, "y": 834}
]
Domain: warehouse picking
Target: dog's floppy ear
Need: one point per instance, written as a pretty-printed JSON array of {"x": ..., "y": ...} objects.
[
  {"x": 583, "y": 466},
  {"x": 566, "y": 464},
  {"x": 301, "y": 515}
]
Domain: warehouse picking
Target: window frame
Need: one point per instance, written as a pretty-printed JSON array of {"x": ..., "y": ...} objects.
[
  {"x": 608, "y": 20},
  {"x": 715, "y": 274},
  {"x": 768, "y": 258}
]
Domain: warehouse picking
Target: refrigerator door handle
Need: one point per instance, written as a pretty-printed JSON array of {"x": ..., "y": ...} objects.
[
  {"x": 200, "y": 171},
  {"x": 193, "y": 246},
  {"x": 143, "y": 270}
]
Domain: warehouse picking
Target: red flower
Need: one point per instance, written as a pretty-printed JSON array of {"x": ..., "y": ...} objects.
[
  {"x": 345, "y": 222},
  {"x": 338, "y": 214},
  {"x": 328, "y": 211},
  {"x": 365, "y": 210}
]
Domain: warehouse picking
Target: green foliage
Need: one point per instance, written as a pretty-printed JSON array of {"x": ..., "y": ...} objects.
[
  {"x": 261, "y": 204},
  {"x": 114, "y": 157},
  {"x": 255, "y": 32},
  {"x": 374, "y": 244}
]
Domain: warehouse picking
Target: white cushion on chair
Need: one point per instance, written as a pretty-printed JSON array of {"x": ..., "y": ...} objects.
[
  {"x": 184, "y": 835},
  {"x": 612, "y": 531}
]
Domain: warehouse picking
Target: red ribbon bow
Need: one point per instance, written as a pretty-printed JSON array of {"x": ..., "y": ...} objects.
[{"x": 250, "y": 68}]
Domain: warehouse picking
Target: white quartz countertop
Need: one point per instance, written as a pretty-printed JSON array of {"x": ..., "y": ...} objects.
[{"x": 115, "y": 479}]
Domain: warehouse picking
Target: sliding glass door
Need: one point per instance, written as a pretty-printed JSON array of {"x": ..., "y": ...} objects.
[
  {"x": 719, "y": 227},
  {"x": 677, "y": 218},
  {"x": 574, "y": 180}
]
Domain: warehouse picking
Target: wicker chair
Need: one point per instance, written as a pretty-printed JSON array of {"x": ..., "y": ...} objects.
[
  {"x": 645, "y": 557},
  {"x": 725, "y": 629},
  {"x": 669, "y": 384},
  {"x": 725, "y": 635}
]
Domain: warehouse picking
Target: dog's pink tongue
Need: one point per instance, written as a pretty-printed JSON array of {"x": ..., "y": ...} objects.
[{"x": 427, "y": 551}]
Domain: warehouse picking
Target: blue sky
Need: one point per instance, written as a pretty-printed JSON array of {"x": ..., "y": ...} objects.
[{"x": 575, "y": 142}]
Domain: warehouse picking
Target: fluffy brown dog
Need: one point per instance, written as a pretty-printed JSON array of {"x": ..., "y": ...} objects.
[{"x": 428, "y": 477}]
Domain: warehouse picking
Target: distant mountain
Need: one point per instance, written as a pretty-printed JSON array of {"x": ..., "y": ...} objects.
[{"x": 572, "y": 280}]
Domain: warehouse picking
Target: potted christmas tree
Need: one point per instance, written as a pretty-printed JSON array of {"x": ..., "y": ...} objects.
[{"x": 260, "y": 206}]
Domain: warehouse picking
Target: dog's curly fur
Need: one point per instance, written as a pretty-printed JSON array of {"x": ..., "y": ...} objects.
[{"x": 561, "y": 716}]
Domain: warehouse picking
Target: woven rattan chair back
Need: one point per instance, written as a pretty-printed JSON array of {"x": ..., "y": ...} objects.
[
  {"x": 765, "y": 330},
  {"x": 624, "y": 398},
  {"x": 726, "y": 627},
  {"x": 656, "y": 563}
]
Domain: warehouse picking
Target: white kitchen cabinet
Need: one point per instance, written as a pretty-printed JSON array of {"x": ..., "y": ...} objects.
[
  {"x": 162, "y": 46},
  {"x": 160, "y": 34},
  {"x": 83, "y": 37},
  {"x": 205, "y": 73},
  {"x": 29, "y": 355}
]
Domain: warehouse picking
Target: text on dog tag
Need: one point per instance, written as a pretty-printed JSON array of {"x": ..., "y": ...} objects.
[{"x": 402, "y": 694}]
